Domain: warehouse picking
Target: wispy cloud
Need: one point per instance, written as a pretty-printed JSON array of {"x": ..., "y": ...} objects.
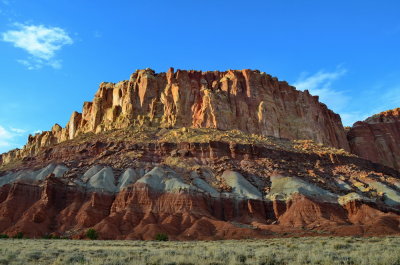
[
  {"x": 40, "y": 42},
  {"x": 381, "y": 97},
  {"x": 5, "y": 137},
  {"x": 392, "y": 96},
  {"x": 386, "y": 96},
  {"x": 9, "y": 138},
  {"x": 320, "y": 84},
  {"x": 16, "y": 130},
  {"x": 97, "y": 34},
  {"x": 349, "y": 118}
]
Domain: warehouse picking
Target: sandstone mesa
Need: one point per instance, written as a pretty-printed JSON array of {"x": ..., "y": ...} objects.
[{"x": 204, "y": 155}]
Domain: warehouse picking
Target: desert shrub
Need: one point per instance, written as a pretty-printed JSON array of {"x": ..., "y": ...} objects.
[
  {"x": 19, "y": 235},
  {"x": 3, "y": 236},
  {"x": 341, "y": 246},
  {"x": 396, "y": 261},
  {"x": 91, "y": 234},
  {"x": 36, "y": 255},
  {"x": 50, "y": 236},
  {"x": 346, "y": 260},
  {"x": 179, "y": 263},
  {"x": 162, "y": 237},
  {"x": 270, "y": 260},
  {"x": 76, "y": 258},
  {"x": 4, "y": 262},
  {"x": 241, "y": 258}
]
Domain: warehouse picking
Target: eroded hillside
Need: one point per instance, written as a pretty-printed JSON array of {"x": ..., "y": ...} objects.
[{"x": 198, "y": 155}]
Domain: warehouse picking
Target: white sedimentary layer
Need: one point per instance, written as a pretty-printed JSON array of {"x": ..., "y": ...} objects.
[{"x": 163, "y": 179}]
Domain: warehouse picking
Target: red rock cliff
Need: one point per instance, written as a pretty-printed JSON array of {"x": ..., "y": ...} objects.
[
  {"x": 246, "y": 100},
  {"x": 378, "y": 138}
]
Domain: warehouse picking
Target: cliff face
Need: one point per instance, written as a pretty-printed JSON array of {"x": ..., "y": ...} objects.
[
  {"x": 378, "y": 138},
  {"x": 246, "y": 100},
  {"x": 200, "y": 155}
]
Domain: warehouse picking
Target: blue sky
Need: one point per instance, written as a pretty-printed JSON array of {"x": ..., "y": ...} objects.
[{"x": 54, "y": 54}]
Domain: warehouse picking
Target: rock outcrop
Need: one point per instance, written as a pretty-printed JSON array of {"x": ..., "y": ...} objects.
[
  {"x": 204, "y": 155},
  {"x": 247, "y": 100},
  {"x": 378, "y": 138},
  {"x": 193, "y": 191}
]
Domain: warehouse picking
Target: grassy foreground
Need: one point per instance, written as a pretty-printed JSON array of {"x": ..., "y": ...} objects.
[{"x": 349, "y": 250}]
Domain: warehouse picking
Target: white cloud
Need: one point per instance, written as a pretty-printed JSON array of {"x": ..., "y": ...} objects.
[
  {"x": 11, "y": 138},
  {"x": 391, "y": 98},
  {"x": 379, "y": 98},
  {"x": 385, "y": 97},
  {"x": 34, "y": 63},
  {"x": 320, "y": 84},
  {"x": 5, "y": 137},
  {"x": 349, "y": 118},
  {"x": 16, "y": 130},
  {"x": 40, "y": 42},
  {"x": 97, "y": 34}
]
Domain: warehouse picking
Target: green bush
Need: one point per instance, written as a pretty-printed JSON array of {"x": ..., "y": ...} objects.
[
  {"x": 270, "y": 260},
  {"x": 19, "y": 235},
  {"x": 91, "y": 234},
  {"x": 3, "y": 236},
  {"x": 36, "y": 255},
  {"x": 162, "y": 237},
  {"x": 241, "y": 258},
  {"x": 341, "y": 246},
  {"x": 76, "y": 258},
  {"x": 47, "y": 236},
  {"x": 50, "y": 236}
]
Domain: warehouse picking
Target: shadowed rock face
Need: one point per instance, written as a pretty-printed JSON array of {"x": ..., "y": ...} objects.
[
  {"x": 378, "y": 138},
  {"x": 246, "y": 100}
]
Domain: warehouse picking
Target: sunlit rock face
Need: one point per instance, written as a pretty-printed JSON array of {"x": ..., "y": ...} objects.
[
  {"x": 378, "y": 138},
  {"x": 204, "y": 155},
  {"x": 247, "y": 100}
]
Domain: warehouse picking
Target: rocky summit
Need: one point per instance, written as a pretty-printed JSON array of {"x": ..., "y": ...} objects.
[{"x": 204, "y": 155}]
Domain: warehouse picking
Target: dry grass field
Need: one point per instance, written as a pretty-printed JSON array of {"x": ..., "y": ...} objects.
[{"x": 322, "y": 250}]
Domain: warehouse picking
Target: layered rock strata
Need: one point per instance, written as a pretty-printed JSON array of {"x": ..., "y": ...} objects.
[
  {"x": 191, "y": 191},
  {"x": 247, "y": 100},
  {"x": 378, "y": 138},
  {"x": 186, "y": 153}
]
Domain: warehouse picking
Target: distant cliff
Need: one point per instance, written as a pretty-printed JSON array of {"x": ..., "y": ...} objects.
[
  {"x": 247, "y": 100},
  {"x": 378, "y": 138}
]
